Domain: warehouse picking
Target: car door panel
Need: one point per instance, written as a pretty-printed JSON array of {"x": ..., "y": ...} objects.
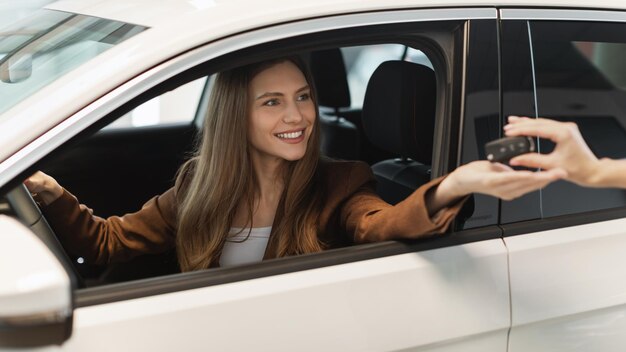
[
  {"x": 447, "y": 299},
  {"x": 568, "y": 287}
]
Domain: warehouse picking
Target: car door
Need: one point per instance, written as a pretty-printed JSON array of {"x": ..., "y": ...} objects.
[
  {"x": 566, "y": 242},
  {"x": 449, "y": 293}
]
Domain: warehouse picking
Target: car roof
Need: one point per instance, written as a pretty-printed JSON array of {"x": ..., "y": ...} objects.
[{"x": 196, "y": 12}]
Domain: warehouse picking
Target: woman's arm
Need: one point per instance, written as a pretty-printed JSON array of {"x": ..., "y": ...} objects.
[
  {"x": 431, "y": 208},
  {"x": 99, "y": 240},
  {"x": 368, "y": 218}
]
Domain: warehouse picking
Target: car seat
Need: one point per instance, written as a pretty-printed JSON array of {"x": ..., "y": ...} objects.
[
  {"x": 399, "y": 117},
  {"x": 340, "y": 137}
]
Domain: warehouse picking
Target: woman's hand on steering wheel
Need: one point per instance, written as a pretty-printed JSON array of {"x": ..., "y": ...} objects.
[{"x": 44, "y": 186}]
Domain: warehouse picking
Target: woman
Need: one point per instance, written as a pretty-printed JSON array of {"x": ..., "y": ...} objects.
[{"x": 257, "y": 187}]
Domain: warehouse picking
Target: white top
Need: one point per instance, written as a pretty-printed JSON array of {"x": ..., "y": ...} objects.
[{"x": 239, "y": 250}]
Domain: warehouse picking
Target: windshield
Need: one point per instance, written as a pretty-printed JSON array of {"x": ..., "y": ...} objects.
[{"x": 41, "y": 48}]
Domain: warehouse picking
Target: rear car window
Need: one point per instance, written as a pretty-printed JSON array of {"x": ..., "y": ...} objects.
[{"x": 580, "y": 77}]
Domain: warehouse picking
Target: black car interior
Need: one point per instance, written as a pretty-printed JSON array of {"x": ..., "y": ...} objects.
[
  {"x": 341, "y": 138},
  {"x": 343, "y": 135},
  {"x": 115, "y": 171},
  {"x": 399, "y": 117}
]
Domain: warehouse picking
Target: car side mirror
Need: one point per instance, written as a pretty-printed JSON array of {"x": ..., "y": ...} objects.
[
  {"x": 16, "y": 68},
  {"x": 35, "y": 292}
]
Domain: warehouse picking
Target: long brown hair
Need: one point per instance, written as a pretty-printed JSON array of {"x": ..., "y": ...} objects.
[{"x": 212, "y": 185}]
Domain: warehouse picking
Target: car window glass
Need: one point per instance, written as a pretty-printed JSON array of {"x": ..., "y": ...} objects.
[
  {"x": 13, "y": 11},
  {"x": 40, "y": 48},
  {"x": 178, "y": 105},
  {"x": 580, "y": 77}
]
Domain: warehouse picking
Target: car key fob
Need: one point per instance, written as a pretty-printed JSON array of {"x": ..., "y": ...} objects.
[{"x": 504, "y": 149}]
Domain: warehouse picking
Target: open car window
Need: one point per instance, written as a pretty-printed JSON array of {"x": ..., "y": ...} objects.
[{"x": 100, "y": 169}]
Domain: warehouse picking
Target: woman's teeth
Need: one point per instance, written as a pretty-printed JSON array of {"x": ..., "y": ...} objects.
[{"x": 290, "y": 135}]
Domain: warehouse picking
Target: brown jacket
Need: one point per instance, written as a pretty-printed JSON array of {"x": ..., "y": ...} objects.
[{"x": 352, "y": 213}]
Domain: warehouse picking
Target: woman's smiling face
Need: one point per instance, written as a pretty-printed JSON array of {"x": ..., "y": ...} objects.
[{"x": 281, "y": 113}]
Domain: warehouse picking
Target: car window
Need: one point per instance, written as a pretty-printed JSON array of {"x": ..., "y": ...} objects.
[
  {"x": 177, "y": 106},
  {"x": 13, "y": 11},
  {"x": 580, "y": 77},
  {"x": 136, "y": 152},
  {"x": 152, "y": 156},
  {"x": 42, "y": 47}
]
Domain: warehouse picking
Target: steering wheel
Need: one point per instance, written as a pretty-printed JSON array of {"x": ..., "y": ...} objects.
[{"x": 26, "y": 209}]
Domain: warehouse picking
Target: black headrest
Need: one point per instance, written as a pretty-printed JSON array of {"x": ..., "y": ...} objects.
[
  {"x": 399, "y": 109},
  {"x": 329, "y": 74}
]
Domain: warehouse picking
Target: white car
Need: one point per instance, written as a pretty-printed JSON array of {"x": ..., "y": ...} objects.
[{"x": 107, "y": 97}]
